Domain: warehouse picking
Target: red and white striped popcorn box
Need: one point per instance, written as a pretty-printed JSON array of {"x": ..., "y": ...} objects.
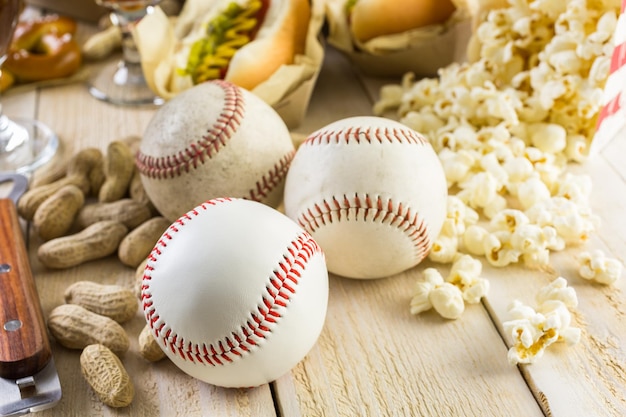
[{"x": 612, "y": 118}]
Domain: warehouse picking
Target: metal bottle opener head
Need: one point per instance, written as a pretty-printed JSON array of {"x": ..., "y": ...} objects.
[
  {"x": 30, "y": 394},
  {"x": 28, "y": 378}
]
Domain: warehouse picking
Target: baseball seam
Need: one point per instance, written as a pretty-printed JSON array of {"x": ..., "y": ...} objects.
[
  {"x": 279, "y": 289},
  {"x": 272, "y": 179},
  {"x": 370, "y": 135},
  {"x": 372, "y": 209},
  {"x": 215, "y": 138}
]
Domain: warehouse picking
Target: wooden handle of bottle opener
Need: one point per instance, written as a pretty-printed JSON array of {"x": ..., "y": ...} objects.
[{"x": 24, "y": 345}]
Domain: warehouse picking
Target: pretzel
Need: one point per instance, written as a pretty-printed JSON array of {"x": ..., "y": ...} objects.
[{"x": 44, "y": 49}]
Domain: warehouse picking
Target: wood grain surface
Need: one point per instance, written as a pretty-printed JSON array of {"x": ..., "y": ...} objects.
[{"x": 373, "y": 357}]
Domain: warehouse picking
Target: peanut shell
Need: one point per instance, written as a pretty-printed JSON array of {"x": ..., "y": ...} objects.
[
  {"x": 97, "y": 241},
  {"x": 106, "y": 375},
  {"x": 75, "y": 327},
  {"x": 113, "y": 301}
]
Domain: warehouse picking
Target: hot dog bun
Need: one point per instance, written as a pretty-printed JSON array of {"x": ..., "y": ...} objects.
[
  {"x": 372, "y": 18},
  {"x": 280, "y": 36}
]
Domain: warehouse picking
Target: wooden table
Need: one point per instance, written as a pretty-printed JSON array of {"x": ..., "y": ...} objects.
[{"x": 373, "y": 357}]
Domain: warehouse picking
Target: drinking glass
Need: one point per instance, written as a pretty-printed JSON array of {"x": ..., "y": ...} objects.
[
  {"x": 123, "y": 82},
  {"x": 24, "y": 144}
]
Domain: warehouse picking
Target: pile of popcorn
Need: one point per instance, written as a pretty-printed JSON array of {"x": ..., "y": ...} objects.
[{"x": 505, "y": 126}]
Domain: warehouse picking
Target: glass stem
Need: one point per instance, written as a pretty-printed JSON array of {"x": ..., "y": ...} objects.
[
  {"x": 125, "y": 21},
  {"x": 12, "y": 135}
]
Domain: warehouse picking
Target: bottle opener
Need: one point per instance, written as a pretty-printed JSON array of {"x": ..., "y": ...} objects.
[{"x": 28, "y": 377}]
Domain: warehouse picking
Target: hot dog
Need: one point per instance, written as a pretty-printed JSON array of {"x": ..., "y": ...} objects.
[
  {"x": 372, "y": 18},
  {"x": 241, "y": 41}
]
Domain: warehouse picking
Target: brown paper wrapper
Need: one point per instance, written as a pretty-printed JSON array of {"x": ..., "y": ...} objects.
[
  {"x": 421, "y": 51},
  {"x": 288, "y": 90}
]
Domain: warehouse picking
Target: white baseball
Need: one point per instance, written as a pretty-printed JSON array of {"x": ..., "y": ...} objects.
[
  {"x": 371, "y": 191},
  {"x": 235, "y": 293},
  {"x": 214, "y": 140}
]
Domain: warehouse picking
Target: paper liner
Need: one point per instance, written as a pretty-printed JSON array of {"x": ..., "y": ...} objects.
[
  {"x": 288, "y": 90},
  {"x": 423, "y": 59},
  {"x": 420, "y": 51}
]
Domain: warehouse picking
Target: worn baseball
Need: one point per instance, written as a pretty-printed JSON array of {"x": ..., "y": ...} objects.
[
  {"x": 235, "y": 293},
  {"x": 214, "y": 140},
  {"x": 372, "y": 192}
]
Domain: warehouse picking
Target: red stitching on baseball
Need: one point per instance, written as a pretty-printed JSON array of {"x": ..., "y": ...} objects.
[
  {"x": 373, "y": 209},
  {"x": 216, "y": 137},
  {"x": 366, "y": 134},
  {"x": 272, "y": 179},
  {"x": 279, "y": 289}
]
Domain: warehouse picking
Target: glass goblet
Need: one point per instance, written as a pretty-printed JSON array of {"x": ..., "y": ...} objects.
[
  {"x": 24, "y": 144},
  {"x": 123, "y": 82}
]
